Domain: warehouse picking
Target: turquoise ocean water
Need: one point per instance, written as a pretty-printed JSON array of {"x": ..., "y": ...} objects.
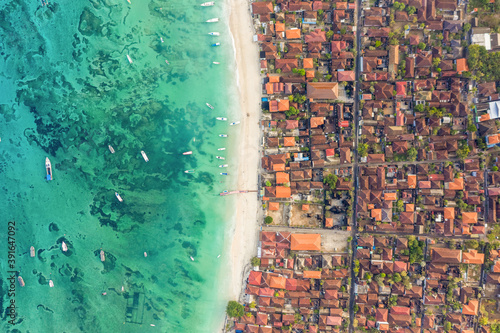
[{"x": 67, "y": 91}]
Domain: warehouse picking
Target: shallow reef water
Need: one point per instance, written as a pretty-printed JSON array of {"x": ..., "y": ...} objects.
[{"x": 67, "y": 91}]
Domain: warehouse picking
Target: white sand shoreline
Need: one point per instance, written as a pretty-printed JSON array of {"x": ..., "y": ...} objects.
[{"x": 244, "y": 237}]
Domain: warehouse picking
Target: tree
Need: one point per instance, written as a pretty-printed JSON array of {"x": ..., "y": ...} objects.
[
  {"x": 396, "y": 277},
  {"x": 411, "y": 154},
  {"x": 471, "y": 244},
  {"x": 268, "y": 220},
  {"x": 268, "y": 183},
  {"x": 235, "y": 309},
  {"x": 255, "y": 261},
  {"x": 291, "y": 111},
  {"x": 411, "y": 10},
  {"x": 467, "y": 27},
  {"x": 447, "y": 326},
  {"x": 419, "y": 108},
  {"x": 436, "y": 61},
  {"x": 421, "y": 46},
  {"x": 329, "y": 34},
  {"x": 463, "y": 152},
  {"x": 378, "y": 43},
  {"x": 331, "y": 180},
  {"x": 363, "y": 149},
  {"x": 495, "y": 168}
]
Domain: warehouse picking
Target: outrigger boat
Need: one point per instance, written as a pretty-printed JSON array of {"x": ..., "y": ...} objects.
[
  {"x": 216, "y": 44},
  {"x": 216, "y": 63},
  {"x": 32, "y": 251},
  {"x": 167, "y": 62},
  {"x": 222, "y": 148},
  {"x": 111, "y": 149},
  {"x": 144, "y": 156},
  {"x": 214, "y": 33},
  {"x": 187, "y": 153},
  {"x": 192, "y": 259},
  {"x": 21, "y": 281},
  {"x": 213, "y": 20},
  {"x": 220, "y": 157},
  {"x": 161, "y": 38},
  {"x": 208, "y": 4},
  {"x": 129, "y": 59},
  {"x": 221, "y": 118},
  {"x": 48, "y": 167},
  {"x": 223, "y": 173},
  {"x": 235, "y": 123},
  {"x": 210, "y": 106},
  {"x": 64, "y": 247},
  {"x": 223, "y": 166},
  {"x": 51, "y": 284},
  {"x": 118, "y": 197},
  {"x": 223, "y": 135},
  {"x": 189, "y": 171},
  {"x": 102, "y": 256}
]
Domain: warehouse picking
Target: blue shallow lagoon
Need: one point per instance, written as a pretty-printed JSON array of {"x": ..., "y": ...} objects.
[{"x": 67, "y": 91}]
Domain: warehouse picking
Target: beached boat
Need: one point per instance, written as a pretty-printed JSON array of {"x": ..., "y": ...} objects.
[
  {"x": 187, "y": 153},
  {"x": 51, "y": 283},
  {"x": 189, "y": 171},
  {"x": 208, "y": 4},
  {"x": 64, "y": 247},
  {"x": 221, "y": 118},
  {"x": 222, "y": 148},
  {"x": 48, "y": 168},
  {"x": 144, "y": 156},
  {"x": 192, "y": 259},
  {"x": 223, "y": 173},
  {"x": 235, "y": 123},
  {"x": 214, "y": 33},
  {"x": 223, "y": 135},
  {"x": 216, "y": 44},
  {"x": 32, "y": 251},
  {"x": 213, "y": 20},
  {"x": 102, "y": 256},
  {"x": 111, "y": 149},
  {"x": 118, "y": 197},
  {"x": 210, "y": 106},
  {"x": 129, "y": 59},
  {"x": 216, "y": 63},
  {"x": 220, "y": 157},
  {"x": 223, "y": 166},
  {"x": 21, "y": 281}
]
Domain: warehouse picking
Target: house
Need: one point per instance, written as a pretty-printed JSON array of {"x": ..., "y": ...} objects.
[
  {"x": 322, "y": 90},
  {"x": 262, "y": 8},
  {"x": 305, "y": 242},
  {"x": 448, "y": 256},
  {"x": 346, "y": 76}
]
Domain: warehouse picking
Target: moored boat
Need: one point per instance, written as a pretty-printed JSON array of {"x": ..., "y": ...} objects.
[
  {"x": 48, "y": 168},
  {"x": 222, "y": 148},
  {"x": 167, "y": 62},
  {"x": 102, "y": 256},
  {"x": 214, "y": 33},
  {"x": 21, "y": 281},
  {"x": 144, "y": 156},
  {"x": 220, "y": 157},
  {"x": 129, "y": 59},
  {"x": 32, "y": 251},
  {"x": 223, "y": 166},
  {"x": 161, "y": 38},
  {"x": 51, "y": 283},
  {"x": 223, "y": 173},
  {"x": 187, "y": 153},
  {"x": 189, "y": 171},
  {"x": 192, "y": 259},
  {"x": 111, "y": 149},
  {"x": 234, "y": 123},
  {"x": 216, "y": 63},
  {"x": 223, "y": 135},
  {"x": 210, "y": 106},
  {"x": 221, "y": 118},
  {"x": 118, "y": 197},
  {"x": 208, "y": 4},
  {"x": 216, "y": 19},
  {"x": 145, "y": 254},
  {"x": 216, "y": 44},
  {"x": 64, "y": 246}
]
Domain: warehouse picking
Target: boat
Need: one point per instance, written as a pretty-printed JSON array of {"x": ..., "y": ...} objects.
[
  {"x": 220, "y": 157},
  {"x": 223, "y": 166},
  {"x": 214, "y": 33},
  {"x": 216, "y": 44},
  {"x": 102, "y": 256},
  {"x": 161, "y": 38},
  {"x": 129, "y": 59},
  {"x": 189, "y": 171},
  {"x": 51, "y": 284},
  {"x": 221, "y": 149},
  {"x": 32, "y": 251},
  {"x": 129, "y": 2},
  {"x": 123, "y": 288},
  {"x": 48, "y": 167},
  {"x": 210, "y": 106},
  {"x": 111, "y": 149},
  {"x": 216, "y": 63},
  {"x": 118, "y": 197},
  {"x": 223, "y": 135},
  {"x": 167, "y": 62},
  {"x": 223, "y": 173},
  {"x": 208, "y": 4},
  {"x": 235, "y": 123},
  {"x": 21, "y": 281},
  {"x": 145, "y": 254},
  {"x": 144, "y": 156},
  {"x": 221, "y": 118},
  {"x": 152, "y": 325},
  {"x": 64, "y": 246},
  {"x": 213, "y": 20},
  {"x": 218, "y": 256},
  {"x": 187, "y": 153},
  {"x": 192, "y": 259}
]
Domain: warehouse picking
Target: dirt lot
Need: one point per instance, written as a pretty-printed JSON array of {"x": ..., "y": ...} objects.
[
  {"x": 311, "y": 218},
  {"x": 277, "y": 215},
  {"x": 490, "y": 306}
]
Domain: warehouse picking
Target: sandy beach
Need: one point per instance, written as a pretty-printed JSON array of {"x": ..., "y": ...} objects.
[{"x": 244, "y": 240}]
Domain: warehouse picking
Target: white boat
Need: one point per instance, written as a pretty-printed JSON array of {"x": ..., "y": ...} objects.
[
  {"x": 187, "y": 153},
  {"x": 216, "y": 63},
  {"x": 221, "y": 149},
  {"x": 218, "y": 256},
  {"x": 144, "y": 156},
  {"x": 208, "y": 4},
  {"x": 223, "y": 135},
  {"x": 129, "y": 2},
  {"x": 214, "y": 33},
  {"x": 21, "y": 281},
  {"x": 32, "y": 251},
  {"x": 152, "y": 325},
  {"x": 220, "y": 157},
  {"x": 210, "y": 106},
  {"x": 123, "y": 288},
  {"x": 48, "y": 168},
  {"x": 145, "y": 254},
  {"x": 111, "y": 149},
  {"x": 223, "y": 173},
  {"x": 216, "y": 44},
  {"x": 192, "y": 259},
  {"x": 189, "y": 171},
  {"x": 167, "y": 62},
  {"x": 102, "y": 256},
  {"x": 161, "y": 38},
  {"x": 118, "y": 197},
  {"x": 51, "y": 284},
  {"x": 221, "y": 118},
  {"x": 129, "y": 59},
  {"x": 64, "y": 247},
  {"x": 235, "y": 123},
  {"x": 213, "y": 20},
  {"x": 223, "y": 166}
]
